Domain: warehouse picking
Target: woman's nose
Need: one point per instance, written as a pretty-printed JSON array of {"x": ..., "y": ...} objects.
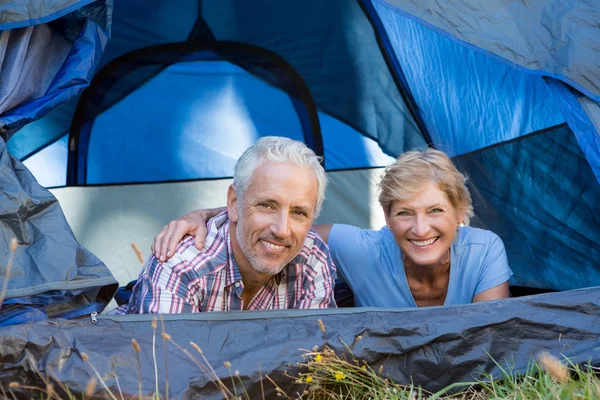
[{"x": 420, "y": 226}]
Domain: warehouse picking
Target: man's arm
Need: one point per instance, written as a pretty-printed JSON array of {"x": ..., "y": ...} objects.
[
  {"x": 194, "y": 224},
  {"x": 319, "y": 291},
  {"x": 159, "y": 290}
]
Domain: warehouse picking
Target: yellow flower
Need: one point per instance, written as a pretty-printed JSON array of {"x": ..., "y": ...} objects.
[
  {"x": 318, "y": 358},
  {"x": 309, "y": 379},
  {"x": 339, "y": 376}
]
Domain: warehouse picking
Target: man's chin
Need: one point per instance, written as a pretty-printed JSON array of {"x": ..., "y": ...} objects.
[{"x": 269, "y": 269}]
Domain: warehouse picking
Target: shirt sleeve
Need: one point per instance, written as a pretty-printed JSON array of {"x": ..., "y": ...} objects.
[
  {"x": 494, "y": 268},
  {"x": 319, "y": 291},
  {"x": 161, "y": 289},
  {"x": 353, "y": 252}
]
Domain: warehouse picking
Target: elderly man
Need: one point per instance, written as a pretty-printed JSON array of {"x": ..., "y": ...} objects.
[{"x": 260, "y": 254}]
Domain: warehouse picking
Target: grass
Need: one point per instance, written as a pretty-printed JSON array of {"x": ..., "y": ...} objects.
[{"x": 328, "y": 376}]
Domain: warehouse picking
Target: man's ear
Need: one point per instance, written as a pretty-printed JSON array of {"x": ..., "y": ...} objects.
[{"x": 232, "y": 204}]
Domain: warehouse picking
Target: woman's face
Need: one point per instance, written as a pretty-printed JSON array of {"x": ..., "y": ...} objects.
[{"x": 424, "y": 226}]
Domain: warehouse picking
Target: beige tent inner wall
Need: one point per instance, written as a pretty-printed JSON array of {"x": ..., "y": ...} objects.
[{"x": 107, "y": 219}]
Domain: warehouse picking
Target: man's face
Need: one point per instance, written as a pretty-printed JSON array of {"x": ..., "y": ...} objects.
[{"x": 277, "y": 212}]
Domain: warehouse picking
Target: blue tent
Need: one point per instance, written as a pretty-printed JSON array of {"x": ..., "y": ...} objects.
[{"x": 510, "y": 91}]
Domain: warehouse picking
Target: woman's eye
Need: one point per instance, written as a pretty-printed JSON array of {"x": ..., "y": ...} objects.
[{"x": 437, "y": 210}]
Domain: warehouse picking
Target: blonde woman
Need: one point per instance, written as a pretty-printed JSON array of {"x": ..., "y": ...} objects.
[{"x": 427, "y": 255}]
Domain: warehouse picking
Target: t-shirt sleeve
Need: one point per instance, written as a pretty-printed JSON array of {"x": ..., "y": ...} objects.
[
  {"x": 353, "y": 252},
  {"x": 494, "y": 268}
]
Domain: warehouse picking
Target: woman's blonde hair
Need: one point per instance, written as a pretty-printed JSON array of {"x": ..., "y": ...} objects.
[{"x": 402, "y": 180}]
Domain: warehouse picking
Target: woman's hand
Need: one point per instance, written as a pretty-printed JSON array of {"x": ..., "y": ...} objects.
[{"x": 193, "y": 224}]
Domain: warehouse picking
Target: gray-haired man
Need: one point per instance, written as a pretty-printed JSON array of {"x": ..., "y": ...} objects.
[{"x": 260, "y": 253}]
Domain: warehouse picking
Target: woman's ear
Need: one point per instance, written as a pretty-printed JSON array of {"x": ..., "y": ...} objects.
[
  {"x": 232, "y": 204},
  {"x": 461, "y": 218}
]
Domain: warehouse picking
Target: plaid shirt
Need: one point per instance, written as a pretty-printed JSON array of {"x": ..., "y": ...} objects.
[{"x": 209, "y": 280}]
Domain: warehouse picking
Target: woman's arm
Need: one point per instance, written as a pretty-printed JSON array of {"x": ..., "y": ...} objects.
[
  {"x": 194, "y": 224},
  {"x": 497, "y": 292}
]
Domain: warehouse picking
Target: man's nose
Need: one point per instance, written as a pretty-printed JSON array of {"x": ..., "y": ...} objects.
[{"x": 281, "y": 226}]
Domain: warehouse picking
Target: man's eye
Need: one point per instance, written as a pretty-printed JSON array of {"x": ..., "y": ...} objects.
[
  {"x": 402, "y": 213},
  {"x": 299, "y": 213},
  {"x": 437, "y": 210},
  {"x": 264, "y": 205}
]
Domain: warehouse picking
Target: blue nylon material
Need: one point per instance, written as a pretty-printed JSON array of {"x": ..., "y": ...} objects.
[
  {"x": 195, "y": 119},
  {"x": 21, "y": 13},
  {"x": 344, "y": 148},
  {"x": 583, "y": 116},
  {"x": 135, "y": 24},
  {"x": 49, "y": 165},
  {"x": 540, "y": 196},
  {"x": 551, "y": 38},
  {"x": 72, "y": 77},
  {"x": 467, "y": 100},
  {"x": 192, "y": 120},
  {"x": 337, "y": 55},
  {"x": 333, "y": 46}
]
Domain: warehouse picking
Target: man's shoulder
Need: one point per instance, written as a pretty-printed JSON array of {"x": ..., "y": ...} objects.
[
  {"x": 314, "y": 250},
  {"x": 213, "y": 253}
]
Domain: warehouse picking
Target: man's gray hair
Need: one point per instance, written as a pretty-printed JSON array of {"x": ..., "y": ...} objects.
[{"x": 282, "y": 150}]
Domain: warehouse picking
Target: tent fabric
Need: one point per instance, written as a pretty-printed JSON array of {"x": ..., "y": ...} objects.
[
  {"x": 153, "y": 103},
  {"x": 584, "y": 118},
  {"x": 349, "y": 79},
  {"x": 347, "y": 76},
  {"x": 22, "y": 13},
  {"x": 66, "y": 72},
  {"x": 186, "y": 88},
  {"x": 553, "y": 38},
  {"x": 431, "y": 347},
  {"x": 468, "y": 100},
  {"x": 23, "y": 56},
  {"x": 50, "y": 272},
  {"x": 538, "y": 193}
]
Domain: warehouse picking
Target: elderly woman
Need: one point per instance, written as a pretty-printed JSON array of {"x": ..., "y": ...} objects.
[{"x": 425, "y": 256}]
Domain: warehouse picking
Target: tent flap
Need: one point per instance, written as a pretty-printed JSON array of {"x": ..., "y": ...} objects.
[
  {"x": 43, "y": 66},
  {"x": 49, "y": 273},
  {"x": 431, "y": 347}
]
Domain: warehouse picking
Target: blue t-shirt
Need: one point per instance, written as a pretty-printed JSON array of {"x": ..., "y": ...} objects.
[{"x": 371, "y": 263}]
